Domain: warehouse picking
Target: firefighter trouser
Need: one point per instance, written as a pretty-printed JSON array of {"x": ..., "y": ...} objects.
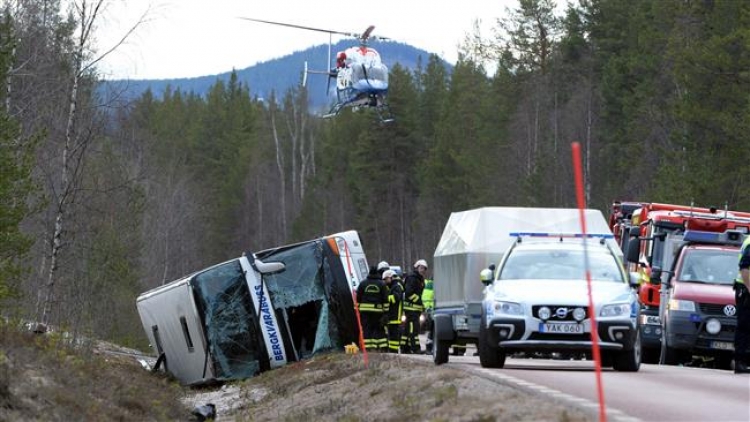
[
  {"x": 410, "y": 336},
  {"x": 742, "y": 335},
  {"x": 394, "y": 337},
  {"x": 373, "y": 330}
]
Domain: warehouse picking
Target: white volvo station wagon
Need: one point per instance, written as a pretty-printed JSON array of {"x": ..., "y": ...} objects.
[{"x": 537, "y": 301}]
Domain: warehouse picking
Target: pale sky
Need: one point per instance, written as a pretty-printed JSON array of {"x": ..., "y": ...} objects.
[{"x": 189, "y": 38}]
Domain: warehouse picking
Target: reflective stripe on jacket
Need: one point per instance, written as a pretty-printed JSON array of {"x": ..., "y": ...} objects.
[
  {"x": 413, "y": 288},
  {"x": 396, "y": 300},
  {"x": 372, "y": 295}
]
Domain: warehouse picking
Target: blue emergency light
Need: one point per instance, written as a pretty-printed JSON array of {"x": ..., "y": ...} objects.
[
  {"x": 729, "y": 237},
  {"x": 563, "y": 235}
]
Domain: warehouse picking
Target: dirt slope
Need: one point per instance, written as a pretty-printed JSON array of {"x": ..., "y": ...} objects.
[{"x": 391, "y": 388}]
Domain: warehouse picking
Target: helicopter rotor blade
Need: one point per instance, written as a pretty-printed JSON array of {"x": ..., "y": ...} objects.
[{"x": 290, "y": 25}]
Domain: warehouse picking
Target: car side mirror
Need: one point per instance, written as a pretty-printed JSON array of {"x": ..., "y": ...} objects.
[
  {"x": 634, "y": 249},
  {"x": 486, "y": 276},
  {"x": 635, "y": 279}
]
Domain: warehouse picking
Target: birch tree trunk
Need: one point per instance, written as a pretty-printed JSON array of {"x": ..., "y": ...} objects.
[
  {"x": 282, "y": 176},
  {"x": 65, "y": 188}
]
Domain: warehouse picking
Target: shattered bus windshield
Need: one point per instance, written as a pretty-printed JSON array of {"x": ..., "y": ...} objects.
[
  {"x": 223, "y": 299},
  {"x": 299, "y": 293}
]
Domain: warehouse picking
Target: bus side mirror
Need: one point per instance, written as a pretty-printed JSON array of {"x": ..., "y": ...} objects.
[{"x": 269, "y": 267}]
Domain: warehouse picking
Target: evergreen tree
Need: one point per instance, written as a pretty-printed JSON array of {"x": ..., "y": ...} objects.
[{"x": 16, "y": 183}]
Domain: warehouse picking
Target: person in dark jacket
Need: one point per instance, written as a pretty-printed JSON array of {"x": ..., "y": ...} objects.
[
  {"x": 413, "y": 308},
  {"x": 395, "y": 303},
  {"x": 742, "y": 302},
  {"x": 372, "y": 302}
]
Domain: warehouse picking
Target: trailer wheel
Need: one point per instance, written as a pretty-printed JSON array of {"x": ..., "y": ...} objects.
[
  {"x": 489, "y": 357},
  {"x": 439, "y": 347}
]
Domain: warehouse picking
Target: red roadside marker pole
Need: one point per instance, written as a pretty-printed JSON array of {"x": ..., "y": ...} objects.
[{"x": 578, "y": 173}]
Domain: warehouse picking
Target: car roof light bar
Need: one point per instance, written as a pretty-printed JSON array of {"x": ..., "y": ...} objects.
[
  {"x": 729, "y": 237},
  {"x": 563, "y": 235}
]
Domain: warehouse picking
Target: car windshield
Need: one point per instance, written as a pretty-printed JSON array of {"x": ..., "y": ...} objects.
[
  {"x": 557, "y": 264},
  {"x": 708, "y": 266}
]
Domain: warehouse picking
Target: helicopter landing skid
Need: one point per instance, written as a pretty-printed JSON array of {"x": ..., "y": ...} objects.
[{"x": 381, "y": 108}]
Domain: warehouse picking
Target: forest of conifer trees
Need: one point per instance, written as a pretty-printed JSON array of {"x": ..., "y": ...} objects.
[{"x": 101, "y": 201}]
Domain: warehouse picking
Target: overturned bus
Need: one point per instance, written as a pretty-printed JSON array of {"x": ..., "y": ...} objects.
[{"x": 256, "y": 312}]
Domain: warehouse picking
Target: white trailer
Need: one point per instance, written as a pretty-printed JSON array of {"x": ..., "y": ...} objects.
[
  {"x": 256, "y": 312},
  {"x": 473, "y": 240}
]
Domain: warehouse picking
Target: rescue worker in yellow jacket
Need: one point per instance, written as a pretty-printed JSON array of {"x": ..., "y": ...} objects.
[
  {"x": 372, "y": 300},
  {"x": 395, "y": 303},
  {"x": 742, "y": 302},
  {"x": 428, "y": 300},
  {"x": 413, "y": 308}
]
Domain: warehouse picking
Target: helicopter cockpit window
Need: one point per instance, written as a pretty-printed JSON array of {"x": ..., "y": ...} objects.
[{"x": 367, "y": 71}]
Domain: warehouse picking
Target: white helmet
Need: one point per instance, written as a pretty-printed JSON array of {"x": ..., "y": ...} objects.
[
  {"x": 420, "y": 262},
  {"x": 388, "y": 273},
  {"x": 383, "y": 265}
]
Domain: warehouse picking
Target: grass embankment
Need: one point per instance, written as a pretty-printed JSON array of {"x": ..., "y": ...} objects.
[{"x": 43, "y": 378}]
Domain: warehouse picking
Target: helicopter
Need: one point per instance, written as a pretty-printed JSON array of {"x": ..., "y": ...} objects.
[{"x": 360, "y": 75}]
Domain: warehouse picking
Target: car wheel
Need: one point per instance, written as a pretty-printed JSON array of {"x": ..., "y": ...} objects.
[
  {"x": 489, "y": 356},
  {"x": 723, "y": 361},
  {"x": 629, "y": 360},
  {"x": 439, "y": 347}
]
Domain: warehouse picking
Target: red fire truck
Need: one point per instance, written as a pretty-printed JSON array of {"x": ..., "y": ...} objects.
[{"x": 687, "y": 258}]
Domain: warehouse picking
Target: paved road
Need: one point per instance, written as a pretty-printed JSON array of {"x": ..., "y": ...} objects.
[{"x": 655, "y": 393}]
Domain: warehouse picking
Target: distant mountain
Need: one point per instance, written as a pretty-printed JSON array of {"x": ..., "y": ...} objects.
[{"x": 276, "y": 75}]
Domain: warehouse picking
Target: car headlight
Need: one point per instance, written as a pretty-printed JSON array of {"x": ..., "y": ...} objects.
[
  {"x": 508, "y": 308},
  {"x": 615, "y": 310},
  {"x": 681, "y": 305}
]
